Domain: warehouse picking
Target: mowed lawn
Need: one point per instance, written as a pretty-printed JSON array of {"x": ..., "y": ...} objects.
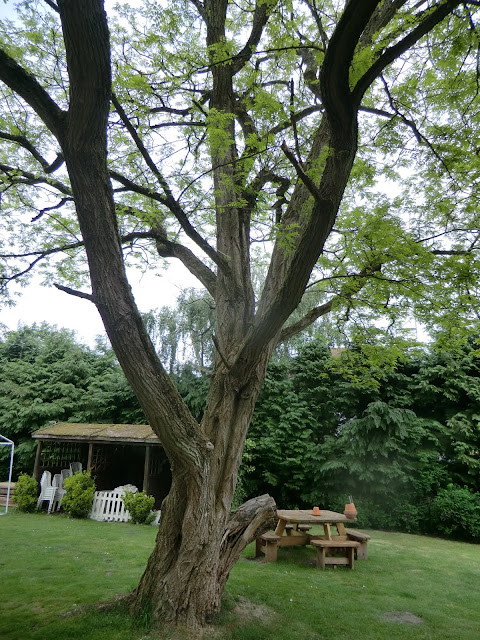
[{"x": 411, "y": 587}]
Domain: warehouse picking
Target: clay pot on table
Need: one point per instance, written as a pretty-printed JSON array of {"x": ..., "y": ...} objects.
[{"x": 350, "y": 511}]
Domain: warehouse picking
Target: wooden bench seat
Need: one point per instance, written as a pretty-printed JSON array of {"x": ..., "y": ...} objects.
[
  {"x": 323, "y": 546},
  {"x": 267, "y": 543},
  {"x": 363, "y": 538},
  {"x": 298, "y": 527}
]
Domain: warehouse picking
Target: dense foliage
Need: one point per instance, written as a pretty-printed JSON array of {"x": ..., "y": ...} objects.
[
  {"x": 140, "y": 507},
  {"x": 26, "y": 492},
  {"x": 47, "y": 376},
  {"x": 80, "y": 489},
  {"x": 403, "y": 440}
]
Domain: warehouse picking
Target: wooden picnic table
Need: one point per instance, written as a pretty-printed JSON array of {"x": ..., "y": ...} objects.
[
  {"x": 326, "y": 518},
  {"x": 291, "y": 536}
]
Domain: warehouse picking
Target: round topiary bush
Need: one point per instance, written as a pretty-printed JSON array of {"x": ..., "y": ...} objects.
[
  {"x": 26, "y": 493},
  {"x": 80, "y": 489},
  {"x": 139, "y": 506}
]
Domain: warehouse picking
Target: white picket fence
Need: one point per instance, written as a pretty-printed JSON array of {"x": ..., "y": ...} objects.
[{"x": 109, "y": 507}]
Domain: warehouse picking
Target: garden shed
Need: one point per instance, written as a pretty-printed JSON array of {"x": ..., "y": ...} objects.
[{"x": 115, "y": 454}]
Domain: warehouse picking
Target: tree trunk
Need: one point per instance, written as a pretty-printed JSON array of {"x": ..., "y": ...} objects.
[
  {"x": 199, "y": 541},
  {"x": 193, "y": 555}
]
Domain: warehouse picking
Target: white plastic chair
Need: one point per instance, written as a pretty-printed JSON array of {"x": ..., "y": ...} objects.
[
  {"x": 48, "y": 496},
  {"x": 75, "y": 467},
  {"x": 57, "y": 482},
  {"x": 65, "y": 473},
  {"x": 45, "y": 483}
]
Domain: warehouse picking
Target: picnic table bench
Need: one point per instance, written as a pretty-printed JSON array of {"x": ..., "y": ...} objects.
[
  {"x": 362, "y": 538},
  {"x": 323, "y": 546}
]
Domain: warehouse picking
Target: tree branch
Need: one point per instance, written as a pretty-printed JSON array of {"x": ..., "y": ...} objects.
[
  {"x": 296, "y": 117},
  {"x": 355, "y": 285},
  {"x": 27, "y": 145},
  {"x": 206, "y": 276},
  {"x": 74, "y": 292},
  {"x": 52, "y": 5},
  {"x": 260, "y": 18},
  {"x": 19, "y": 176},
  {"x": 28, "y": 88},
  {"x": 334, "y": 75},
  {"x": 308, "y": 319},
  {"x": 431, "y": 19},
  {"x": 169, "y": 200},
  {"x": 380, "y": 18},
  {"x": 307, "y": 181}
]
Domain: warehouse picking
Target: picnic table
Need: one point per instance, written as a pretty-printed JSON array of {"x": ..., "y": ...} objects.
[{"x": 292, "y": 529}]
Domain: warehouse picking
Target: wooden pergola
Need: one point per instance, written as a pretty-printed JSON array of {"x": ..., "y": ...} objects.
[{"x": 87, "y": 442}]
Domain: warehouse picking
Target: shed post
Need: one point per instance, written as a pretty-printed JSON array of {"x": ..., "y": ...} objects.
[
  {"x": 36, "y": 466},
  {"x": 146, "y": 469},
  {"x": 90, "y": 456}
]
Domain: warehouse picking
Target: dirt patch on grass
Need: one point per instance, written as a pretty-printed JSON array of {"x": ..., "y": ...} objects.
[
  {"x": 402, "y": 617},
  {"x": 246, "y": 611}
]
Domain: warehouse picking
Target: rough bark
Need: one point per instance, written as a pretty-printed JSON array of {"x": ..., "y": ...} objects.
[{"x": 187, "y": 571}]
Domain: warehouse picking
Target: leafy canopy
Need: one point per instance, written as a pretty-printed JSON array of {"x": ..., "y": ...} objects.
[{"x": 406, "y": 236}]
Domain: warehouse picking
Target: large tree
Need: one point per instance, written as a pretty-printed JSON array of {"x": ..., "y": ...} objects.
[{"x": 229, "y": 129}]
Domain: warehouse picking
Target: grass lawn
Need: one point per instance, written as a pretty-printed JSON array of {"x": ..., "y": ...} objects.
[{"x": 410, "y": 587}]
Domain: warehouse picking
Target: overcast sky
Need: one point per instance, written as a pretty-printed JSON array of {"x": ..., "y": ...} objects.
[{"x": 46, "y": 304}]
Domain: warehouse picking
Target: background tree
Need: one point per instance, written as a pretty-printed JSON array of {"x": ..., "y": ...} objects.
[
  {"x": 184, "y": 333},
  {"x": 402, "y": 440},
  {"x": 235, "y": 128},
  {"x": 46, "y": 375}
]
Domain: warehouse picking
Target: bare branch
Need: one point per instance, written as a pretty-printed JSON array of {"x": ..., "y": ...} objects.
[
  {"x": 296, "y": 117},
  {"x": 168, "y": 249},
  {"x": 27, "y": 145},
  {"x": 43, "y": 211},
  {"x": 19, "y": 176},
  {"x": 308, "y": 319},
  {"x": 52, "y": 5},
  {"x": 308, "y": 182},
  {"x": 311, "y": 4},
  {"x": 74, "y": 292},
  {"x": 260, "y": 19},
  {"x": 200, "y": 8}
]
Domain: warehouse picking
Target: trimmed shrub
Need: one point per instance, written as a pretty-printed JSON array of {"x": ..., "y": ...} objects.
[
  {"x": 80, "y": 489},
  {"x": 139, "y": 506},
  {"x": 26, "y": 492},
  {"x": 456, "y": 512}
]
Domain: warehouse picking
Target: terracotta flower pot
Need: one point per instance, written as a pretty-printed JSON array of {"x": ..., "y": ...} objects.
[{"x": 350, "y": 511}]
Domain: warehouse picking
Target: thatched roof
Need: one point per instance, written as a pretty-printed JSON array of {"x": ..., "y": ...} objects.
[{"x": 106, "y": 433}]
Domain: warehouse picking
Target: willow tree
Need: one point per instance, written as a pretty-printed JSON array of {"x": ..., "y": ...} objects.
[{"x": 215, "y": 133}]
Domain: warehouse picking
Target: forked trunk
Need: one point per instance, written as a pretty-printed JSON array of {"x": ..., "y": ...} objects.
[
  {"x": 199, "y": 540},
  {"x": 194, "y": 552}
]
